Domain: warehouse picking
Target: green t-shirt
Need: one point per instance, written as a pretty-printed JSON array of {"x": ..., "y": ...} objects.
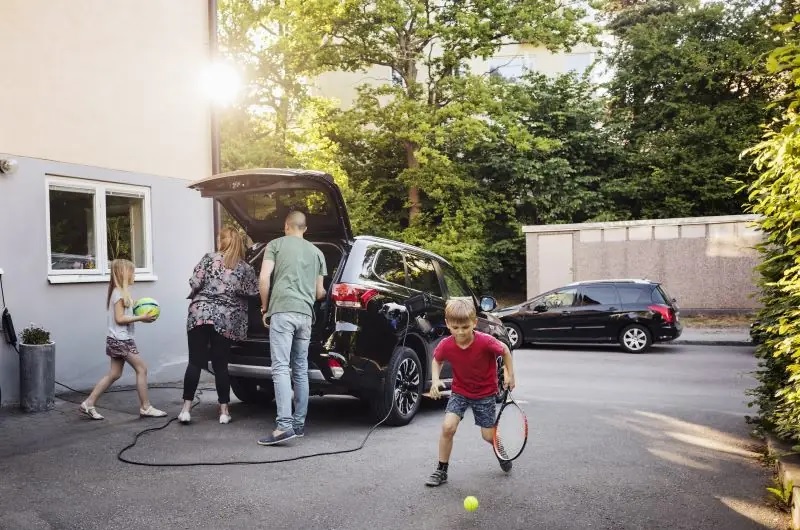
[{"x": 298, "y": 263}]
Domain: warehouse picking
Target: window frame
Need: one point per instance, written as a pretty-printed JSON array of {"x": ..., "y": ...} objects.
[{"x": 99, "y": 188}]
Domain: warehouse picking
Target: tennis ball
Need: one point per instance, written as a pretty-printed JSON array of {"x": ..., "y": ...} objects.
[{"x": 470, "y": 503}]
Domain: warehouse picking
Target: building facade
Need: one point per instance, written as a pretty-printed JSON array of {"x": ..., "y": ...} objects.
[{"x": 104, "y": 115}]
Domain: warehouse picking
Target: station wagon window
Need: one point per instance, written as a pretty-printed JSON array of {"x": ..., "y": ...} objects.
[
  {"x": 422, "y": 276},
  {"x": 632, "y": 294},
  {"x": 560, "y": 298},
  {"x": 599, "y": 295},
  {"x": 456, "y": 288},
  {"x": 90, "y": 224},
  {"x": 389, "y": 266}
]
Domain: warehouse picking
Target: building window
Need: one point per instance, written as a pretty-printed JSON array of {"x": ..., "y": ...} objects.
[
  {"x": 510, "y": 67},
  {"x": 578, "y": 62},
  {"x": 92, "y": 223}
]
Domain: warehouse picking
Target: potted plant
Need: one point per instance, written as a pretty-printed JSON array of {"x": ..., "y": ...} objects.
[{"x": 37, "y": 369}]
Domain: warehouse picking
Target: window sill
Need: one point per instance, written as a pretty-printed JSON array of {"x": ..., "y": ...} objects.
[{"x": 95, "y": 278}]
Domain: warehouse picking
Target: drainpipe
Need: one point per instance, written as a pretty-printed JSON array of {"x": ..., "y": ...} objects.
[{"x": 215, "y": 149}]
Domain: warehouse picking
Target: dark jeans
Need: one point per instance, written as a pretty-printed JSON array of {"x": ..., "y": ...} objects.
[{"x": 206, "y": 344}]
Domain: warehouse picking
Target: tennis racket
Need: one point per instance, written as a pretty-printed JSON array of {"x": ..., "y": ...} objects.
[{"x": 510, "y": 429}]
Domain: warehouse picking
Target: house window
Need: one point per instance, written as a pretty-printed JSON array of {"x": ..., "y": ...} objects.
[
  {"x": 578, "y": 62},
  {"x": 91, "y": 224},
  {"x": 510, "y": 67}
]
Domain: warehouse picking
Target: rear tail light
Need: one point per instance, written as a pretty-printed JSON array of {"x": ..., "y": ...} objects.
[
  {"x": 666, "y": 312},
  {"x": 350, "y": 295},
  {"x": 336, "y": 368}
]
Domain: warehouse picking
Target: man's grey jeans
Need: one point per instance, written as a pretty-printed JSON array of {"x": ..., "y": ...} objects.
[{"x": 289, "y": 335}]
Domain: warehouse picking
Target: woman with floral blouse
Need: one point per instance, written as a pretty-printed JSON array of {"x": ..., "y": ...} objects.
[{"x": 221, "y": 285}]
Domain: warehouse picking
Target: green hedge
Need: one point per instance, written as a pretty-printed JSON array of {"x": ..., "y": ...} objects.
[{"x": 775, "y": 197}]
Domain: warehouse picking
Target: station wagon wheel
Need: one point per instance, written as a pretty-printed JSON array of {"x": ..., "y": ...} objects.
[
  {"x": 635, "y": 339},
  {"x": 514, "y": 335},
  {"x": 401, "y": 395}
]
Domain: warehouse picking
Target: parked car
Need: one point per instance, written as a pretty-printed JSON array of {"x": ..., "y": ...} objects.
[
  {"x": 634, "y": 313},
  {"x": 358, "y": 347}
]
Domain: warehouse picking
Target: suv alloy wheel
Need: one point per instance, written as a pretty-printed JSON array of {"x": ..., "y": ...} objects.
[{"x": 402, "y": 390}]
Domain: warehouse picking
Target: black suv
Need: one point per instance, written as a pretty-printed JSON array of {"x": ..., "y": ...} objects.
[
  {"x": 374, "y": 334},
  {"x": 634, "y": 313}
]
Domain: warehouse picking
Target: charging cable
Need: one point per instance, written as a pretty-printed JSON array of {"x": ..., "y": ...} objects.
[{"x": 390, "y": 310}]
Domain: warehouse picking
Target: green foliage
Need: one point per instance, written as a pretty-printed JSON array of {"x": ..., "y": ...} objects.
[
  {"x": 782, "y": 494},
  {"x": 775, "y": 197},
  {"x": 35, "y": 335},
  {"x": 688, "y": 95}
]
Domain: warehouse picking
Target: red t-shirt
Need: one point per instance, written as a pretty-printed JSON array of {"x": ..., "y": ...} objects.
[{"x": 474, "y": 367}]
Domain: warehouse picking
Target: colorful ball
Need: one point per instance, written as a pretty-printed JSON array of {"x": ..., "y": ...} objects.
[
  {"x": 470, "y": 503},
  {"x": 145, "y": 306}
]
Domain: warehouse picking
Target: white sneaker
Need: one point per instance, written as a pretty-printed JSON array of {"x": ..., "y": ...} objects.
[
  {"x": 184, "y": 417},
  {"x": 225, "y": 418}
]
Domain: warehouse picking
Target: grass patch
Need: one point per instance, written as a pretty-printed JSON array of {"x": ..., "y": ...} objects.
[{"x": 718, "y": 321}]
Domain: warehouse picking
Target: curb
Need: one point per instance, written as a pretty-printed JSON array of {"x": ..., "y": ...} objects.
[
  {"x": 699, "y": 342},
  {"x": 788, "y": 468}
]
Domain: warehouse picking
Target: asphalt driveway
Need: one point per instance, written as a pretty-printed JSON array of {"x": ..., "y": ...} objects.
[{"x": 618, "y": 442}]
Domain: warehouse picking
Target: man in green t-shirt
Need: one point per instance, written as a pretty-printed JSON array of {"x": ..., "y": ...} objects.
[{"x": 296, "y": 284}]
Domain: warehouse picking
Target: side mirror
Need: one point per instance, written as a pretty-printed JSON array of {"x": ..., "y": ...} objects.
[
  {"x": 488, "y": 303},
  {"x": 541, "y": 308}
]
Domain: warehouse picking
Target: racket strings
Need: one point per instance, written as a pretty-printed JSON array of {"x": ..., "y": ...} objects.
[{"x": 512, "y": 433}]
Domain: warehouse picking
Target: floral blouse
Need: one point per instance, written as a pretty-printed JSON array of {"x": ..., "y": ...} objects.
[{"x": 219, "y": 296}]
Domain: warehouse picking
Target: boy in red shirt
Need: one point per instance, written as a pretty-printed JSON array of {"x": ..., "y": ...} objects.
[{"x": 473, "y": 358}]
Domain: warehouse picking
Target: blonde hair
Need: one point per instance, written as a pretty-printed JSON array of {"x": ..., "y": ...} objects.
[
  {"x": 460, "y": 311},
  {"x": 121, "y": 271},
  {"x": 233, "y": 252}
]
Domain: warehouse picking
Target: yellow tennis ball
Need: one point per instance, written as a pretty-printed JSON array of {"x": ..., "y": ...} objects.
[{"x": 470, "y": 503}]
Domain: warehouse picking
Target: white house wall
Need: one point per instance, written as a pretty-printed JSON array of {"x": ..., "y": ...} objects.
[
  {"x": 103, "y": 83},
  {"x": 75, "y": 313}
]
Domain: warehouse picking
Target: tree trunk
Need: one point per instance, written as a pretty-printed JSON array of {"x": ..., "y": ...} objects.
[{"x": 413, "y": 192}]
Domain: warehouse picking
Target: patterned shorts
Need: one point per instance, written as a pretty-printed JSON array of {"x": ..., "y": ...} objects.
[
  {"x": 482, "y": 409},
  {"x": 120, "y": 349}
]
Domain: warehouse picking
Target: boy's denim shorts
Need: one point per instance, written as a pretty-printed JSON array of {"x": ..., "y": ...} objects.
[{"x": 482, "y": 409}]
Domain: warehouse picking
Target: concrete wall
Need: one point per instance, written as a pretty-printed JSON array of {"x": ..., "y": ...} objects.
[
  {"x": 75, "y": 313},
  {"x": 704, "y": 262},
  {"x": 108, "y": 84}
]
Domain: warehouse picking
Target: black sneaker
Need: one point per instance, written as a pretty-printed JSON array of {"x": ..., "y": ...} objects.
[
  {"x": 299, "y": 432},
  {"x": 271, "y": 439},
  {"x": 437, "y": 478},
  {"x": 505, "y": 465}
]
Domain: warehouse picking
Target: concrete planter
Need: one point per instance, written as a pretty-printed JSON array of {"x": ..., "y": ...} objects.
[{"x": 37, "y": 376}]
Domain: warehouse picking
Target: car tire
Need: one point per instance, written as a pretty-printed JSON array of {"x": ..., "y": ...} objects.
[
  {"x": 635, "y": 338},
  {"x": 514, "y": 335},
  {"x": 401, "y": 396},
  {"x": 253, "y": 391}
]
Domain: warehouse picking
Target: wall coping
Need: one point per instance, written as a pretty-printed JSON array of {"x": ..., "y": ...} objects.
[{"x": 677, "y": 221}]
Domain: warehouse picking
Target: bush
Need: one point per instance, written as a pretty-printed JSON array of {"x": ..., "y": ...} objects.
[
  {"x": 775, "y": 197},
  {"x": 34, "y": 334}
]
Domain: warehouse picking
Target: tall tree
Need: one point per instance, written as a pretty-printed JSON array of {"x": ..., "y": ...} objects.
[
  {"x": 688, "y": 95},
  {"x": 425, "y": 43}
]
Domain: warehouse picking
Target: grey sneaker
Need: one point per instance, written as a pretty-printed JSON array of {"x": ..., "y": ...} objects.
[
  {"x": 437, "y": 478},
  {"x": 299, "y": 432}
]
